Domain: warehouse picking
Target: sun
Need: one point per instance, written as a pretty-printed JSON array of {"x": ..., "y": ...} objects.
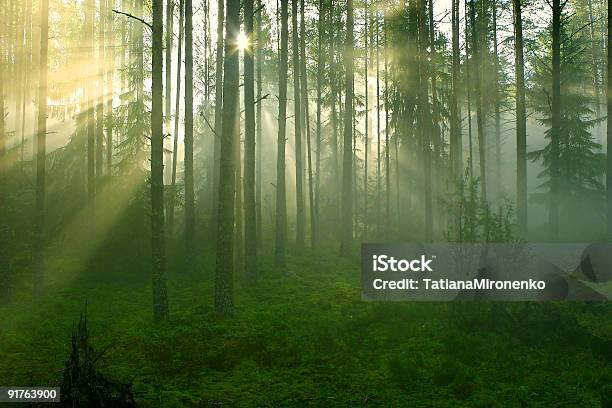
[{"x": 242, "y": 42}]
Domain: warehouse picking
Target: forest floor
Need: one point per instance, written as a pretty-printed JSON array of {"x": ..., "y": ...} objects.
[{"x": 305, "y": 338}]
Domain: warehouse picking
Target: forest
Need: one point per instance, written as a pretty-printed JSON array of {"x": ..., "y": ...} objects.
[{"x": 185, "y": 186}]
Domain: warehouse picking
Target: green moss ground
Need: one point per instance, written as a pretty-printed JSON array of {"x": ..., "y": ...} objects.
[{"x": 304, "y": 338}]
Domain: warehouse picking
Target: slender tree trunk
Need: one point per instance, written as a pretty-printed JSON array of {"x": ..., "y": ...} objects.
[
  {"x": 334, "y": 113},
  {"x": 388, "y": 146},
  {"x": 5, "y": 277},
  {"x": 110, "y": 68},
  {"x": 609, "y": 125},
  {"x": 250, "y": 216},
  {"x": 160, "y": 296},
  {"x": 456, "y": 142},
  {"x": 100, "y": 96},
  {"x": 320, "y": 68},
  {"x": 553, "y": 216},
  {"x": 188, "y": 161},
  {"x": 378, "y": 136},
  {"x": 367, "y": 53},
  {"x": 224, "y": 285},
  {"x": 347, "y": 161},
  {"x": 168, "y": 90},
  {"x": 477, "y": 59},
  {"x": 27, "y": 73},
  {"x": 89, "y": 98},
  {"x": 41, "y": 150},
  {"x": 594, "y": 58},
  {"x": 425, "y": 119},
  {"x": 281, "y": 195},
  {"x": 468, "y": 67},
  {"x": 306, "y": 116},
  {"x": 521, "y": 123},
  {"x": 218, "y": 111},
  {"x": 239, "y": 241},
  {"x": 177, "y": 106},
  {"x": 497, "y": 103},
  {"x": 299, "y": 172},
  {"x": 258, "y": 146}
]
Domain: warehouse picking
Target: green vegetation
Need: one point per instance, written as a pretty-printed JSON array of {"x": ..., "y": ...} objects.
[{"x": 304, "y": 338}]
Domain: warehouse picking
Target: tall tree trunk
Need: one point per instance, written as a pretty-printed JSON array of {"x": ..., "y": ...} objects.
[
  {"x": 594, "y": 58},
  {"x": 218, "y": 112},
  {"x": 388, "y": 146},
  {"x": 100, "y": 96},
  {"x": 177, "y": 106},
  {"x": 456, "y": 142},
  {"x": 378, "y": 136},
  {"x": 299, "y": 172},
  {"x": 497, "y": 103},
  {"x": 188, "y": 160},
  {"x": 5, "y": 277},
  {"x": 468, "y": 64},
  {"x": 239, "y": 240},
  {"x": 425, "y": 119},
  {"x": 41, "y": 150},
  {"x": 347, "y": 161},
  {"x": 281, "y": 195},
  {"x": 168, "y": 91},
  {"x": 477, "y": 60},
  {"x": 89, "y": 98},
  {"x": 320, "y": 69},
  {"x": 250, "y": 213},
  {"x": 435, "y": 114},
  {"x": 224, "y": 285},
  {"x": 27, "y": 73},
  {"x": 553, "y": 215},
  {"x": 259, "y": 145},
  {"x": 160, "y": 296},
  {"x": 609, "y": 125},
  {"x": 367, "y": 53},
  {"x": 110, "y": 68},
  {"x": 521, "y": 123},
  {"x": 334, "y": 111},
  {"x": 306, "y": 116}
]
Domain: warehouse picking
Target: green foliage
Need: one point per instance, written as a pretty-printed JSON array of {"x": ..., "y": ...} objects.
[
  {"x": 581, "y": 161},
  {"x": 304, "y": 338},
  {"x": 472, "y": 220}
]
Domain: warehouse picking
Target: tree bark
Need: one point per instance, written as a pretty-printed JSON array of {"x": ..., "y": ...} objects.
[
  {"x": 477, "y": 60},
  {"x": 100, "y": 95},
  {"x": 89, "y": 97},
  {"x": 224, "y": 285},
  {"x": 456, "y": 142},
  {"x": 347, "y": 161},
  {"x": 553, "y": 215},
  {"x": 320, "y": 68},
  {"x": 5, "y": 277},
  {"x": 306, "y": 117},
  {"x": 281, "y": 196},
  {"x": 110, "y": 68},
  {"x": 160, "y": 299},
  {"x": 297, "y": 119},
  {"x": 521, "y": 123},
  {"x": 168, "y": 91},
  {"x": 258, "y": 146},
  {"x": 188, "y": 160},
  {"x": 218, "y": 111},
  {"x": 177, "y": 105},
  {"x": 41, "y": 151},
  {"x": 609, "y": 125},
  {"x": 250, "y": 216}
]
